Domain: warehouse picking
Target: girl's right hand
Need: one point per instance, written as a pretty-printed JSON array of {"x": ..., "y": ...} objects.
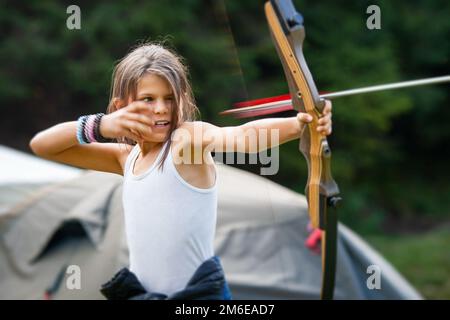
[{"x": 129, "y": 121}]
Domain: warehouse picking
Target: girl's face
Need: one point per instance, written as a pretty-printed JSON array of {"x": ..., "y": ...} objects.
[{"x": 157, "y": 93}]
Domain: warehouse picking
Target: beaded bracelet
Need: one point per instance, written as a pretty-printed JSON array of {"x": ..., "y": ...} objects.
[
  {"x": 88, "y": 129},
  {"x": 97, "y": 135}
]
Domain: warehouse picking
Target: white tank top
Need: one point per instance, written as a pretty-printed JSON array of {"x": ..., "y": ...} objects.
[{"x": 169, "y": 224}]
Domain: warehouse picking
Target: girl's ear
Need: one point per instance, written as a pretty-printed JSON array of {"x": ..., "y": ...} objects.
[{"x": 118, "y": 103}]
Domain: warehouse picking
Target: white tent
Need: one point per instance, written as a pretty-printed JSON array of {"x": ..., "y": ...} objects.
[
  {"x": 19, "y": 167},
  {"x": 22, "y": 173}
]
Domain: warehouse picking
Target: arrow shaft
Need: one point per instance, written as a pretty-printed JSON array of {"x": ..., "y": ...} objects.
[
  {"x": 338, "y": 94},
  {"x": 389, "y": 86}
]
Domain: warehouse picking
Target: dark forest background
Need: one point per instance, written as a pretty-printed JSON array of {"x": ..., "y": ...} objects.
[{"x": 390, "y": 149}]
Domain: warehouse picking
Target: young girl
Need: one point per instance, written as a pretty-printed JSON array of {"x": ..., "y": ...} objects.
[{"x": 170, "y": 191}]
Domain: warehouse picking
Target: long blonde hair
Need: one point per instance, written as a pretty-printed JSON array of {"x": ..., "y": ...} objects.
[{"x": 154, "y": 58}]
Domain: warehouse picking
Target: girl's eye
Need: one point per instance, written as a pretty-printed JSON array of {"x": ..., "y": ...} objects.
[
  {"x": 169, "y": 98},
  {"x": 148, "y": 99}
]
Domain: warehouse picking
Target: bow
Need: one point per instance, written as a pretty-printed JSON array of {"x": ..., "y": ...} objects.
[{"x": 288, "y": 33}]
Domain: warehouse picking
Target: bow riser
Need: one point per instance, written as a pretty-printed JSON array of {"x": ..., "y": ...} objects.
[
  {"x": 313, "y": 145},
  {"x": 288, "y": 33}
]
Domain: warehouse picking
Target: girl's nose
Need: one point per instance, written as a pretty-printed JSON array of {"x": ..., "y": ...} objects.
[{"x": 161, "y": 106}]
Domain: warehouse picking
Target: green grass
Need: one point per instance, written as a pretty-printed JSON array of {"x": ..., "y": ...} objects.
[{"x": 423, "y": 259}]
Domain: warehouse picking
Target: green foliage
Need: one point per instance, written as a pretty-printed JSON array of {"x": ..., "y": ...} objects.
[
  {"x": 389, "y": 148},
  {"x": 390, "y": 151}
]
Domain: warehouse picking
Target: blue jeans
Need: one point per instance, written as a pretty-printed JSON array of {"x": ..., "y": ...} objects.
[{"x": 226, "y": 292}]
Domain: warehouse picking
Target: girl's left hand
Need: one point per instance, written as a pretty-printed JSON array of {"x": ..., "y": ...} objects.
[{"x": 324, "y": 123}]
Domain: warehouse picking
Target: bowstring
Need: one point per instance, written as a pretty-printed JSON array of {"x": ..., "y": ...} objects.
[{"x": 235, "y": 62}]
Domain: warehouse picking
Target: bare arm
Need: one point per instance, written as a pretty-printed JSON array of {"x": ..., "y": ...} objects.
[
  {"x": 59, "y": 143},
  {"x": 196, "y": 140},
  {"x": 259, "y": 135},
  {"x": 55, "y": 139},
  {"x": 275, "y": 130},
  {"x": 251, "y": 137},
  {"x": 254, "y": 136}
]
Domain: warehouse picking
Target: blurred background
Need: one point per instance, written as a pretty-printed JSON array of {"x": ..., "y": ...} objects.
[{"x": 390, "y": 149}]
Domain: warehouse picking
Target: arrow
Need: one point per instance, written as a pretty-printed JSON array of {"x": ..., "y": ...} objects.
[{"x": 282, "y": 104}]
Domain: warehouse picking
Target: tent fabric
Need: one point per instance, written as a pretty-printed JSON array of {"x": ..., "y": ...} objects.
[
  {"x": 97, "y": 247},
  {"x": 21, "y": 174},
  {"x": 391, "y": 279},
  {"x": 19, "y": 167},
  {"x": 261, "y": 230},
  {"x": 26, "y": 237}
]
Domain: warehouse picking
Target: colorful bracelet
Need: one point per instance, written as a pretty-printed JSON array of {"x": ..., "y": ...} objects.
[
  {"x": 80, "y": 129},
  {"x": 88, "y": 129},
  {"x": 97, "y": 135}
]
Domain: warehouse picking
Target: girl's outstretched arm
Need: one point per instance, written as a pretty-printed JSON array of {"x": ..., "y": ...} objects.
[{"x": 254, "y": 136}]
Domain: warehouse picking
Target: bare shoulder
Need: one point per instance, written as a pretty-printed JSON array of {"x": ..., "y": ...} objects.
[
  {"x": 190, "y": 141},
  {"x": 191, "y": 126},
  {"x": 194, "y": 164},
  {"x": 195, "y": 133}
]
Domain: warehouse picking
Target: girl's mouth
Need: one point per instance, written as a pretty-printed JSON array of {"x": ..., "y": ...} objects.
[{"x": 162, "y": 123}]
